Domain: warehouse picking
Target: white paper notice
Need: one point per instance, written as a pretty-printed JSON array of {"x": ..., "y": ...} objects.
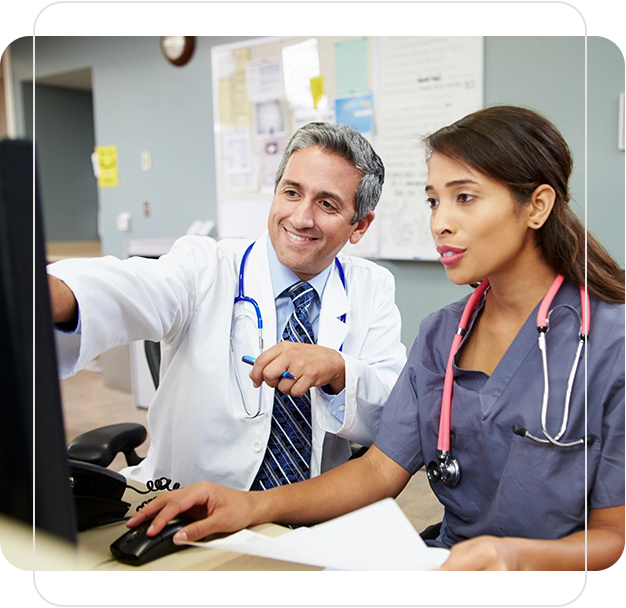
[
  {"x": 238, "y": 163},
  {"x": 303, "y": 116},
  {"x": 268, "y": 119},
  {"x": 301, "y": 62},
  {"x": 264, "y": 78},
  {"x": 377, "y": 537},
  {"x": 272, "y": 150},
  {"x": 442, "y": 82}
]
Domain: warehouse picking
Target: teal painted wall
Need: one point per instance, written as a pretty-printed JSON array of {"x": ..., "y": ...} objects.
[
  {"x": 65, "y": 139},
  {"x": 142, "y": 103}
]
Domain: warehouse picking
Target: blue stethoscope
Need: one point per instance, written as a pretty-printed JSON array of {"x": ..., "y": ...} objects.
[{"x": 242, "y": 297}]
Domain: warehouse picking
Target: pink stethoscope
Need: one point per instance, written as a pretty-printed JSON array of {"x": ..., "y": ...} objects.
[{"x": 447, "y": 469}]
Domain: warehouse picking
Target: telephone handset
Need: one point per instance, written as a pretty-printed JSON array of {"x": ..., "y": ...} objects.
[{"x": 97, "y": 494}]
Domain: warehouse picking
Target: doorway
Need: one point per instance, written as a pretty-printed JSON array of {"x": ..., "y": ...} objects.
[{"x": 65, "y": 139}]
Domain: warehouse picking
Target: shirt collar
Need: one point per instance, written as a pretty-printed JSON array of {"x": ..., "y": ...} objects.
[{"x": 283, "y": 277}]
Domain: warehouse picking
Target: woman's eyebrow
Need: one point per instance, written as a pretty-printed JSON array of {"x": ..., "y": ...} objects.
[
  {"x": 455, "y": 182},
  {"x": 461, "y": 182}
]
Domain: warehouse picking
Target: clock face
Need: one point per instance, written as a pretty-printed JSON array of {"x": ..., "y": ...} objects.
[
  {"x": 177, "y": 49},
  {"x": 173, "y": 46}
]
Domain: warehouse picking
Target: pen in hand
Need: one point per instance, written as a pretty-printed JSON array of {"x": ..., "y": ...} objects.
[{"x": 250, "y": 361}]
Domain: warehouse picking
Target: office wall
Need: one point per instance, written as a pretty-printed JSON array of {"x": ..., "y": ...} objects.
[{"x": 142, "y": 103}]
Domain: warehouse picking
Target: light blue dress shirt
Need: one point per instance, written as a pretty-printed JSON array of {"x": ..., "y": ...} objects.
[{"x": 282, "y": 279}]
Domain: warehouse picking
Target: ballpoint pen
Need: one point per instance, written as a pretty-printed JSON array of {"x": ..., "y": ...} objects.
[{"x": 250, "y": 361}]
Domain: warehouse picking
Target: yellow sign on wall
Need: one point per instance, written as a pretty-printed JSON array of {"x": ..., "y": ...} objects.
[
  {"x": 107, "y": 161},
  {"x": 317, "y": 89}
]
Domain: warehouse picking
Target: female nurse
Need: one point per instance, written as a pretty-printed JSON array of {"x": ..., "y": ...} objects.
[{"x": 509, "y": 470}]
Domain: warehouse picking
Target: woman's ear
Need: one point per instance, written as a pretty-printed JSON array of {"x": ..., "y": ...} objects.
[{"x": 540, "y": 206}]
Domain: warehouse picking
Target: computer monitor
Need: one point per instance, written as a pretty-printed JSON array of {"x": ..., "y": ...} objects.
[{"x": 22, "y": 267}]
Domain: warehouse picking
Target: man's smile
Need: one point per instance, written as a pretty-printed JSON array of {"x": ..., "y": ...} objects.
[{"x": 298, "y": 238}]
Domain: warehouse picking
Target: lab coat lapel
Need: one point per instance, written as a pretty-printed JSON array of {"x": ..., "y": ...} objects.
[{"x": 332, "y": 332}]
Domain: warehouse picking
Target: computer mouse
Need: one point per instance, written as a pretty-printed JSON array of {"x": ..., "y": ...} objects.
[{"x": 136, "y": 547}]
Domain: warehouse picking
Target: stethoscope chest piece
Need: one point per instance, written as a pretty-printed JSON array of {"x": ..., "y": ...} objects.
[{"x": 446, "y": 470}]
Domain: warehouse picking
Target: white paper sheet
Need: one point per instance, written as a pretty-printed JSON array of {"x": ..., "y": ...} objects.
[
  {"x": 442, "y": 82},
  {"x": 264, "y": 79},
  {"x": 301, "y": 62},
  {"x": 303, "y": 116},
  {"x": 377, "y": 537}
]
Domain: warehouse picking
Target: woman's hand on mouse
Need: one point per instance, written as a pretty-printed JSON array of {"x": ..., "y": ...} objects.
[{"x": 215, "y": 509}]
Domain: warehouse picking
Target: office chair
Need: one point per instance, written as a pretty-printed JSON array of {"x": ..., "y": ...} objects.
[{"x": 103, "y": 444}]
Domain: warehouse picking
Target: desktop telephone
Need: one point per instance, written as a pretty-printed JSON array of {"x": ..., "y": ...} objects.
[
  {"x": 98, "y": 500},
  {"x": 97, "y": 494}
]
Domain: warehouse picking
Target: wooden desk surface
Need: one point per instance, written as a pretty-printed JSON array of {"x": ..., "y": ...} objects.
[
  {"x": 94, "y": 554},
  {"x": 60, "y": 250},
  {"x": 93, "y": 551}
]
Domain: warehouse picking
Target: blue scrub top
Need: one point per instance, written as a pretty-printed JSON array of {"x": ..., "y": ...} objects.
[{"x": 510, "y": 485}]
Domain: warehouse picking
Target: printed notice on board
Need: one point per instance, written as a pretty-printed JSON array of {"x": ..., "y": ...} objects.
[
  {"x": 233, "y": 105},
  {"x": 301, "y": 62},
  {"x": 272, "y": 150},
  {"x": 264, "y": 79},
  {"x": 269, "y": 119},
  {"x": 303, "y": 116},
  {"x": 238, "y": 162},
  {"x": 442, "y": 82},
  {"x": 107, "y": 163},
  {"x": 356, "y": 112},
  {"x": 351, "y": 66}
]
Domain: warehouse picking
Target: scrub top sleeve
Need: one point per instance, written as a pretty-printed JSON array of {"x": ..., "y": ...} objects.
[
  {"x": 608, "y": 488},
  {"x": 398, "y": 433}
]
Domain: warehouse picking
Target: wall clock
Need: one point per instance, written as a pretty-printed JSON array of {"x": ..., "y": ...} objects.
[{"x": 178, "y": 49}]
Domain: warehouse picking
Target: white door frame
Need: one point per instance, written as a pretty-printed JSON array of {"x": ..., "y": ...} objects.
[{"x": 9, "y": 98}]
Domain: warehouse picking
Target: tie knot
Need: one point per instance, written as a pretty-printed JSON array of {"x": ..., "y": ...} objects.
[{"x": 301, "y": 294}]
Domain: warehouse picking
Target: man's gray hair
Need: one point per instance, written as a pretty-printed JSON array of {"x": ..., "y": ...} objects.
[{"x": 350, "y": 145}]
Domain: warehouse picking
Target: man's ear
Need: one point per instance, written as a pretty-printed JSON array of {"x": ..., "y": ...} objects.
[
  {"x": 360, "y": 228},
  {"x": 540, "y": 206}
]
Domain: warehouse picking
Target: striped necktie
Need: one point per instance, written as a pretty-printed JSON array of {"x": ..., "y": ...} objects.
[{"x": 288, "y": 455}]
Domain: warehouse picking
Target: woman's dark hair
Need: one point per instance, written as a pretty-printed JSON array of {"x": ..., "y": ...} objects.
[{"x": 523, "y": 150}]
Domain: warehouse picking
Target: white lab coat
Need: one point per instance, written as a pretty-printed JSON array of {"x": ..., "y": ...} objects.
[{"x": 197, "y": 422}]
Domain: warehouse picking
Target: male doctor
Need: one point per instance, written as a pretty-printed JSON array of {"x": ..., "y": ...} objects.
[{"x": 290, "y": 299}]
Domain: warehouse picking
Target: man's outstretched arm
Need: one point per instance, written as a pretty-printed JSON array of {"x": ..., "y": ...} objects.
[{"x": 63, "y": 302}]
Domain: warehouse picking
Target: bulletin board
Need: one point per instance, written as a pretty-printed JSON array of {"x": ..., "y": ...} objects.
[{"x": 394, "y": 90}]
